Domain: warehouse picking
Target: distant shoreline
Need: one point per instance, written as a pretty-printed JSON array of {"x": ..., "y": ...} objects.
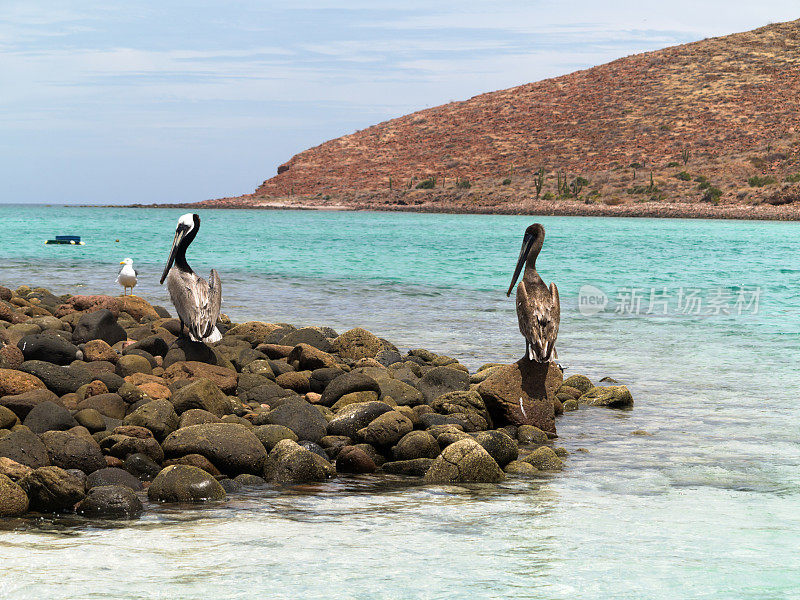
[{"x": 761, "y": 212}]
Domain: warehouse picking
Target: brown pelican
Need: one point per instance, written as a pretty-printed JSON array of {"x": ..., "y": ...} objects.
[
  {"x": 127, "y": 276},
  {"x": 196, "y": 301},
  {"x": 538, "y": 307}
]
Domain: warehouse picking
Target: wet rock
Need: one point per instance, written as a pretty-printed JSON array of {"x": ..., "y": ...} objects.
[
  {"x": 232, "y": 448},
  {"x": 13, "y": 499},
  {"x": 115, "y": 476},
  {"x": 52, "y": 489},
  {"x": 12, "y": 469},
  {"x": 570, "y": 405},
  {"x": 70, "y": 451},
  {"x": 346, "y": 384},
  {"x": 311, "y": 358},
  {"x": 61, "y": 380},
  {"x": 158, "y": 416},
  {"x": 229, "y": 485},
  {"x": 197, "y": 416},
  {"x": 354, "y": 460},
  {"x": 183, "y": 483},
  {"x": 357, "y": 343},
  {"x": 415, "y": 467},
  {"x": 544, "y": 459},
  {"x": 288, "y": 462},
  {"x": 142, "y": 466},
  {"x": 441, "y": 380},
  {"x": 612, "y": 396},
  {"x": 310, "y": 336},
  {"x": 203, "y": 394},
  {"x": 122, "y": 446},
  {"x": 195, "y": 460},
  {"x": 386, "y": 430},
  {"x": 301, "y": 417},
  {"x": 14, "y": 382},
  {"x": 47, "y": 416},
  {"x": 246, "y": 480},
  {"x": 465, "y": 461},
  {"x": 518, "y": 468},
  {"x": 98, "y": 350},
  {"x": 110, "y": 502},
  {"x": 224, "y": 378},
  {"x": 518, "y": 394},
  {"x": 269, "y": 435},
  {"x": 566, "y": 392},
  {"x": 49, "y": 348},
  {"x": 500, "y": 446},
  {"x": 580, "y": 382},
  {"x": 110, "y": 405},
  {"x": 98, "y": 325},
  {"x": 528, "y": 434},
  {"x": 356, "y": 416},
  {"x": 416, "y": 444},
  {"x": 24, "y": 447}
]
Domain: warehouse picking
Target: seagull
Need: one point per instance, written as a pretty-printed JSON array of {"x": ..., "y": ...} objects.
[
  {"x": 196, "y": 300},
  {"x": 538, "y": 307},
  {"x": 127, "y": 275}
]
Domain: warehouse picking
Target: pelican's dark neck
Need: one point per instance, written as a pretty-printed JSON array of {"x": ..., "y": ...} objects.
[{"x": 180, "y": 251}]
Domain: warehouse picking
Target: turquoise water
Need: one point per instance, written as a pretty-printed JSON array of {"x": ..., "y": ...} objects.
[{"x": 702, "y": 505}]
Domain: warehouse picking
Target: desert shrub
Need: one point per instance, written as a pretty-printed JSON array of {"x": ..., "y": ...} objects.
[
  {"x": 507, "y": 181},
  {"x": 758, "y": 181},
  {"x": 426, "y": 184},
  {"x": 712, "y": 194},
  {"x": 683, "y": 176},
  {"x": 664, "y": 127},
  {"x": 463, "y": 184},
  {"x": 672, "y": 164},
  {"x": 635, "y": 165},
  {"x": 701, "y": 179},
  {"x": 793, "y": 178},
  {"x": 704, "y": 186},
  {"x": 547, "y": 196}
]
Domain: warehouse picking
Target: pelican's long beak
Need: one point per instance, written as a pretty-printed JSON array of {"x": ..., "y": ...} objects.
[
  {"x": 527, "y": 244},
  {"x": 179, "y": 233}
]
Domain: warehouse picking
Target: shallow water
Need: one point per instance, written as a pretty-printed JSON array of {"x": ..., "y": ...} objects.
[{"x": 701, "y": 502}]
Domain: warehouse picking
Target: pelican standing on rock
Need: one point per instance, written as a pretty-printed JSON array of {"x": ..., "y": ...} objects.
[
  {"x": 127, "y": 276},
  {"x": 538, "y": 307},
  {"x": 196, "y": 300}
]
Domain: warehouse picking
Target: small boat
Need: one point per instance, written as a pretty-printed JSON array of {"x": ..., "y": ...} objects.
[{"x": 74, "y": 240}]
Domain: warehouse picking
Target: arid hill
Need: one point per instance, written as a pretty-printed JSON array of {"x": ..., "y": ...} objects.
[{"x": 704, "y": 128}]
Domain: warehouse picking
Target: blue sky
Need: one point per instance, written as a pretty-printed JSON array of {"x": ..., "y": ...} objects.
[{"x": 178, "y": 101}]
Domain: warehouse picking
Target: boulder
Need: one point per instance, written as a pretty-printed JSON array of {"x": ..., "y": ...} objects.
[
  {"x": 311, "y": 358},
  {"x": 139, "y": 309},
  {"x": 98, "y": 350},
  {"x": 544, "y": 458},
  {"x": 441, "y": 380},
  {"x": 402, "y": 393},
  {"x": 266, "y": 393},
  {"x": 61, "y": 380},
  {"x": 14, "y": 382},
  {"x": 356, "y": 398},
  {"x": 184, "y": 483},
  {"x": 354, "y": 417},
  {"x": 269, "y": 435},
  {"x": 110, "y": 405},
  {"x": 82, "y": 303},
  {"x": 357, "y": 343},
  {"x": 52, "y": 489},
  {"x": 415, "y": 467},
  {"x": 154, "y": 345},
  {"x": 47, "y": 416},
  {"x": 203, "y": 394},
  {"x": 49, "y": 348},
  {"x": 224, "y": 378},
  {"x": 122, "y": 446},
  {"x": 255, "y": 332},
  {"x": 110, "y": 502},
  {"x": 301, "y": 417},
  {"x": 347, "y": 383},
  {"x": 13, "y": 499},
  {"x": 158, "y": 416},
  {"x": 195, "y": 460},
  {"x": 465, "y": 461},
  {"x": 22, "y": 404},
  {"x": 12, "y": 469},
  {"x": 500, "y": 446},
  {"x": 520, "y": 394},
  {"x": 24, "y": 447},
  {"x": 197, "y": 416},
  {"x": 98, "y": 325},
  {"x": 295, "y": 380},
  {"x": 70, "y": 451},
  {"x": 386, "y": 430},
  {"x": 416, "y": 444},
  {"x": 579, "y": 382},
  {"x": 113, "y": 476},
  {"x": 231, "y": 447},
  {"x": 11, "y": 357},
  {"x": 7, "y": 418},
  {"x": 354, "y": 460},
  {"x": 518, "y": 468},
  {"x": 289, "y": 462},
  {"x": 310, "y": 336},
  {"x": 611, "y": 396},
  {"x": 142, "y": 466},
  {"x": 133, "y": 363}
]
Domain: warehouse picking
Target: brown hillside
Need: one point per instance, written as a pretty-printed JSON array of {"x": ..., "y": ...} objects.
[{"x": 722, "y": 110}]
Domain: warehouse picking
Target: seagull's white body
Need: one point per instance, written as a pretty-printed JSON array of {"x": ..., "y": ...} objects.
[{"x": 127, "y": 277}]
